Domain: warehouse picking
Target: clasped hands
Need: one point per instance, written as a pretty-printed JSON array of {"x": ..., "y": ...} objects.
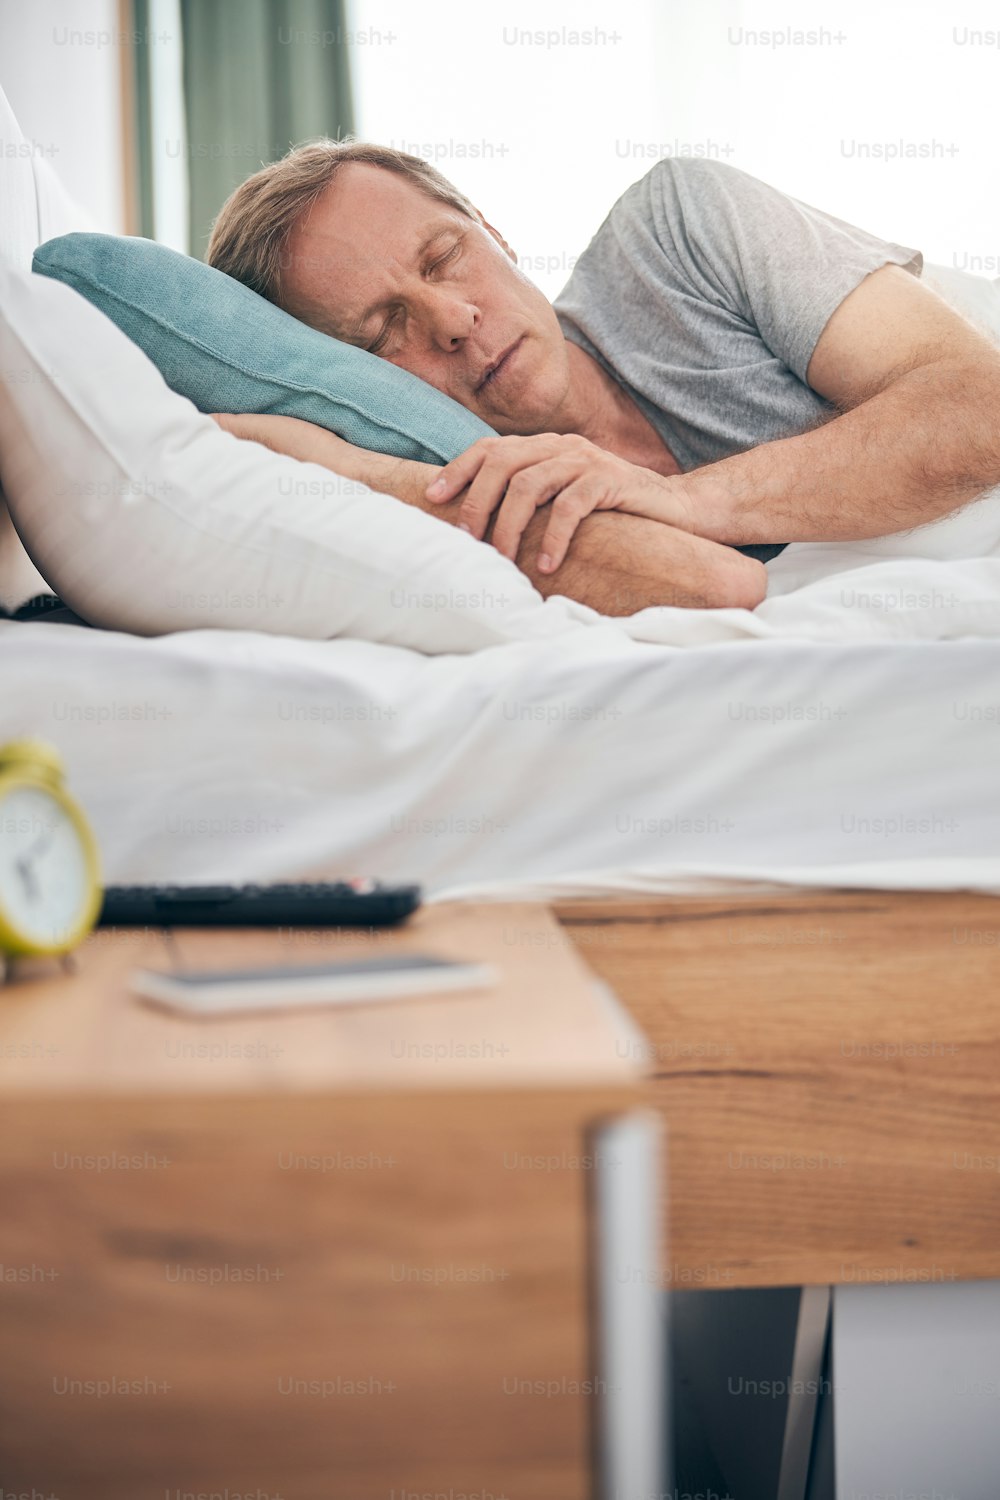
[{"x": 514, "y": 476}]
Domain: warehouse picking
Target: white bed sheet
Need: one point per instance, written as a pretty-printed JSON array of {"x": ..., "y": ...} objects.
[{"x": 585, "y": 762}]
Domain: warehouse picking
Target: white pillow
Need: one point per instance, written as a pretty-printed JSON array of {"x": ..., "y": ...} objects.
[
  {"x": 34, "y": 206},
  {"x": 19, "y": 580},
  {"x": 144, "y": 516}
]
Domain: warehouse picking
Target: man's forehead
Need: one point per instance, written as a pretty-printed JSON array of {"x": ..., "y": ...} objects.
[
  {"x": 365, "y": 204},
  {"x": 368, "y": 225}
]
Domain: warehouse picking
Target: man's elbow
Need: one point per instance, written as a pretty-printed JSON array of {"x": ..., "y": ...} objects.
[
  {"x": 741, "y": 584},
  {"x": 725, "y": 579}
]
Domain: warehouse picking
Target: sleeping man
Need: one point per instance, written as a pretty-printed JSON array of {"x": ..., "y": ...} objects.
[{"x": 726, "y": 371}]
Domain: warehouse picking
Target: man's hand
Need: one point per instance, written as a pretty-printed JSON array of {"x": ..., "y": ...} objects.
[{"x": 515, "y": 476}]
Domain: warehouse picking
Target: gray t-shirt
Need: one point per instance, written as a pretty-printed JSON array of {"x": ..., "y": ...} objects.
[{"x": 704, "y": 293}]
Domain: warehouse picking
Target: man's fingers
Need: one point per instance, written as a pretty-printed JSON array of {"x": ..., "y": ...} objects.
[
  {"x": 526, "y": 492},
  {"x": 518, "y": 475},
  {"x": 568, "y": 510},
  {"x": 455, "y": 476},
  {"x": 513, "y": 452},
  {"x": 483, "y": 496}
]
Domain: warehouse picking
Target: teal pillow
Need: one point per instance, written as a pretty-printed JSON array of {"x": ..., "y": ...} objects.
[{"x": 229, "y": 350}]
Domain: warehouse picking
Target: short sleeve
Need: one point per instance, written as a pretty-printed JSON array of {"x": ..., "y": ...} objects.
[{"x": 780, "y": 264}]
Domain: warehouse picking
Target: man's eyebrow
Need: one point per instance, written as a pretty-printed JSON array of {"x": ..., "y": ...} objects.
[{"x": 435, "y": 234}]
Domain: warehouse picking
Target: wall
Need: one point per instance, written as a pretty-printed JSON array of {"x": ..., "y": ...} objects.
[{"x": 59, "y": 67}]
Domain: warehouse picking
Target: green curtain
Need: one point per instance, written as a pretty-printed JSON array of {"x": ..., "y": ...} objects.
[
  {"x": 141, "y": 118},
  {"x": 259, "y": 76}
]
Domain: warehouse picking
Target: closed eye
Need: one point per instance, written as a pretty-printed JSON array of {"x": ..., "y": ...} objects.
[
  {"x": 443, "y": 260},
  {"x": 379, "y": 343}
]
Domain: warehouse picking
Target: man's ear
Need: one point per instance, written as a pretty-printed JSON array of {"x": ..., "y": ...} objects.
[{"x": 498, "y": 237}]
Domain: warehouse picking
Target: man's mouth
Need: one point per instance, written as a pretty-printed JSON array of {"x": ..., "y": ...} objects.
[{"x": 497, "y": 367}]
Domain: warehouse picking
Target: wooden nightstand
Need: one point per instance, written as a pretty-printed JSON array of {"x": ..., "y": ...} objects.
[{"x": 358, "y": 1252}]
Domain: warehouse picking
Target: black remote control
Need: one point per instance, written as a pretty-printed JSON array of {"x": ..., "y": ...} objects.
[{"x": 359, "y": 903}]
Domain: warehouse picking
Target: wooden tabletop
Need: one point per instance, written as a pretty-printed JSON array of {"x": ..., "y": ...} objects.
[{"x": 544, "y": 1023}]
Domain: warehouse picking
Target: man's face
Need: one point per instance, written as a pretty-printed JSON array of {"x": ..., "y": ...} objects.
[{"x": 378, "y": 263}]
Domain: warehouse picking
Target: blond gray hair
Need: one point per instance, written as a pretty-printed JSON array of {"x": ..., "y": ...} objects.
[{"x": 251, "y": 231}]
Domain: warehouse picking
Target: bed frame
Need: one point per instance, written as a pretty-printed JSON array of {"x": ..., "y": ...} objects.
[{"x": 827, "y": 1064}]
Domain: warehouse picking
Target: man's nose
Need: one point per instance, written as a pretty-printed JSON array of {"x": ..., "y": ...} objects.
[{"x": 449, "y": 320}]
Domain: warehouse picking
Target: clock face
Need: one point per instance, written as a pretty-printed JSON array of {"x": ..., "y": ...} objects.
[{"x": 44, "y": 879}]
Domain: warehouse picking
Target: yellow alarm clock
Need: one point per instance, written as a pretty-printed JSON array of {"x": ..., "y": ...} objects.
[{"x": 50, "y": 884}]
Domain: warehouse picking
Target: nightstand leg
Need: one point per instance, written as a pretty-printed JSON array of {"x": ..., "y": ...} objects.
[{"x": 630, "y": 1310}]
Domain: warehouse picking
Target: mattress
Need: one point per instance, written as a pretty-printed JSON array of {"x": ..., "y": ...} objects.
[{"x": 589, "y": 762}]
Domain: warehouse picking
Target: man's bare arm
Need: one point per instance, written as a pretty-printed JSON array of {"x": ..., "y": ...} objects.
[
  {"x": 919, "y": 434},
  {"x": 618, "y": 563}
]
